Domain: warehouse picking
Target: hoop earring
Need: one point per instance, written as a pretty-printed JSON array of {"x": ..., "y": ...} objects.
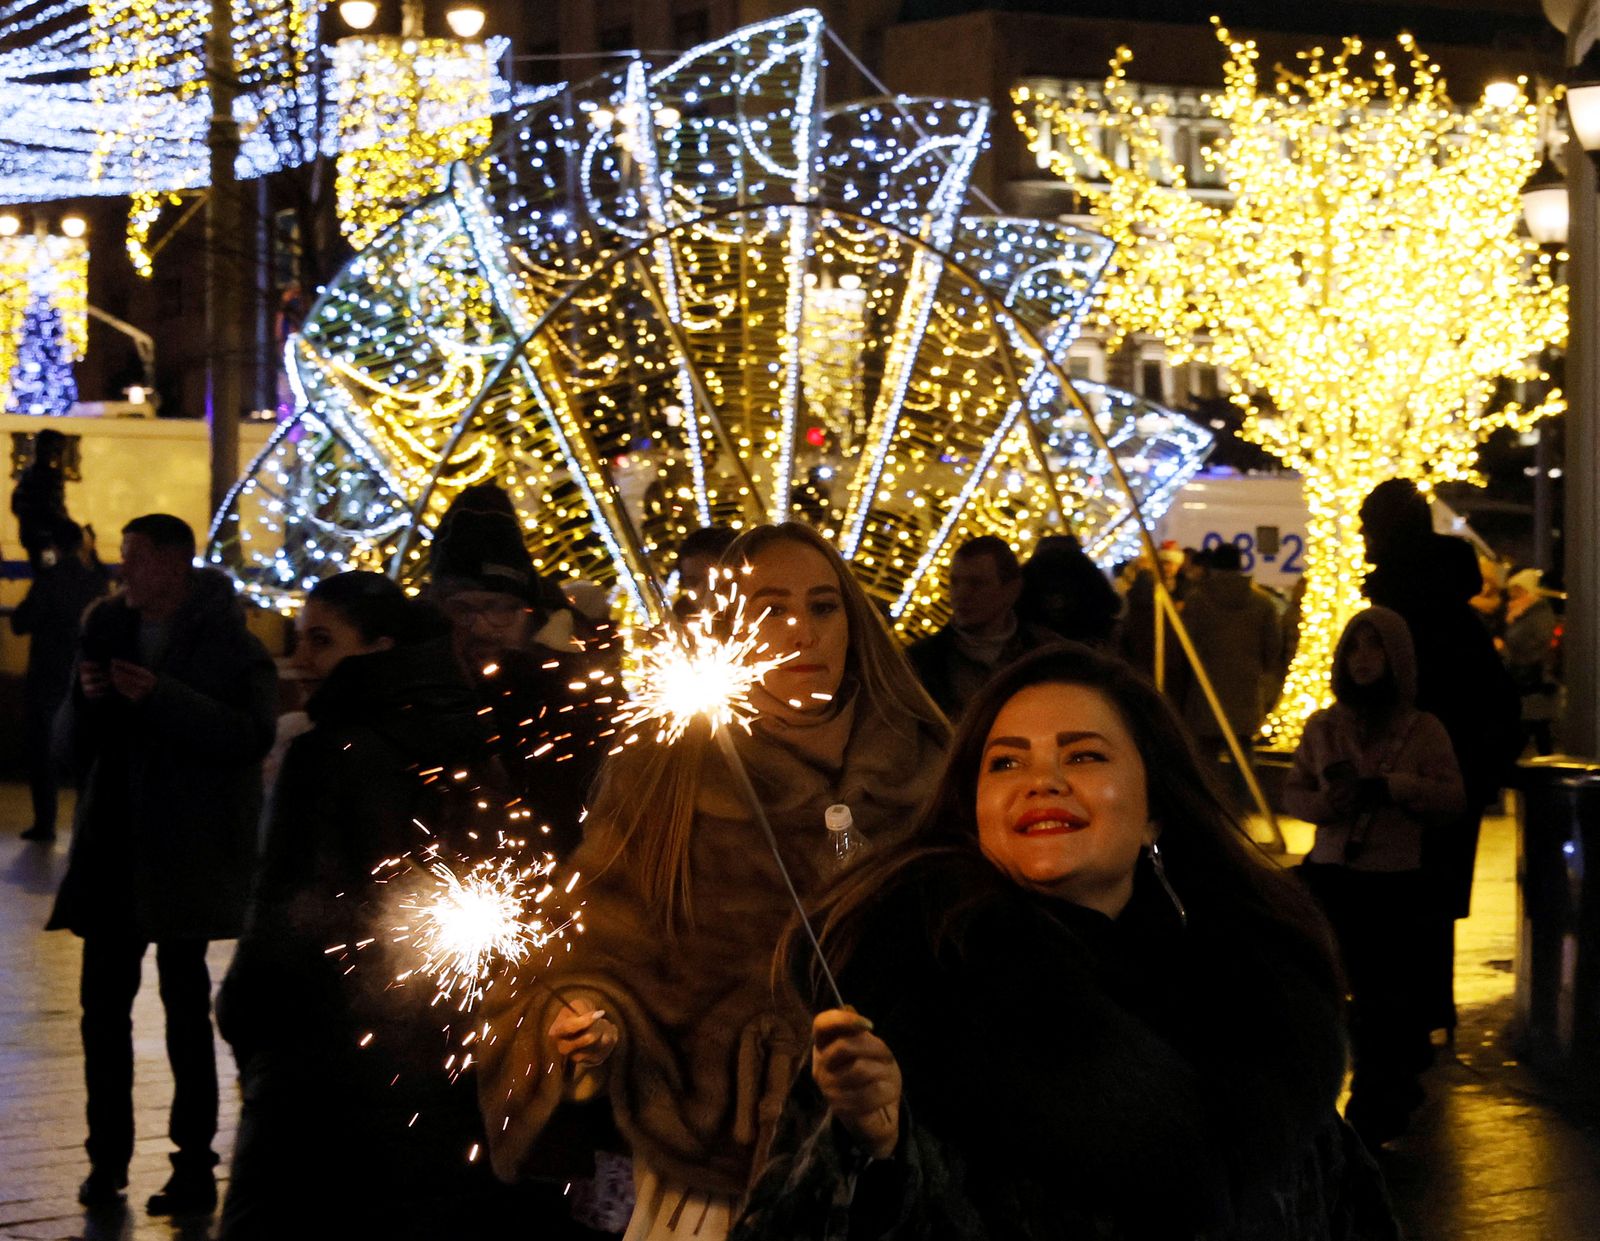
[{"x": 1153, "y": 852}]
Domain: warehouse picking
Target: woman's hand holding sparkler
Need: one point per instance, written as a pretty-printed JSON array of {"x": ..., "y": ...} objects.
[
  {"x": 859, "y": 1077},
  {"x": 582, "y": 1034}
]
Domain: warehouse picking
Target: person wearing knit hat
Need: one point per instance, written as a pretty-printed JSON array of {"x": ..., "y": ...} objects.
[{"x": 514, "y": 636}]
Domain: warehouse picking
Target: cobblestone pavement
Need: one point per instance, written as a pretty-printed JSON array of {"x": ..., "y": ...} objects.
[{"x": 1495, "y": 1155}]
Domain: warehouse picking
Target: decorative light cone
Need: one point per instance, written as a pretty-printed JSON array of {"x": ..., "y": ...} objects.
[{"x": 690, "y": 294}]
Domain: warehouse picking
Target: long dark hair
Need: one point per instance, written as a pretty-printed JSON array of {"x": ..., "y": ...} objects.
[
  {"x": 1225, "y": 880},
  {"x": 378, "y": 608}
]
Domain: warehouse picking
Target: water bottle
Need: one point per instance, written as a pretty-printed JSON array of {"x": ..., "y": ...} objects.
[{"x": 848, "y": 843}]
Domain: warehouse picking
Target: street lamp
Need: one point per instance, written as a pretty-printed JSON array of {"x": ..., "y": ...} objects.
[
  {"x": 10, "y": 225},
  {"x": 1583, "y": 102},
  {"x": 358, "y": 14},
  {"x": 74, "y": 226},
  {"x": 466, "y": 20},
  {"x": 1544, "y": 206}
]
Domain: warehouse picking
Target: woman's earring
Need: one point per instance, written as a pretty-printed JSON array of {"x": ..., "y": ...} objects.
[{"x": 1159, "y": 866}]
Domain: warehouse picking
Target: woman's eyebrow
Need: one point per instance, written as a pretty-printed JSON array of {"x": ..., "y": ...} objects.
[
  {"x": 1016, "y": 743},
  {"x": 1067, "y": 738},
  {"x": 820, "y": 590}
]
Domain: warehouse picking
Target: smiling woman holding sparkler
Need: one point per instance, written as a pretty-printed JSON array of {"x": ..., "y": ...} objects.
[
  {"x": 333, "y": 1061},
  {"x": 1088, "y": 1006},
  {"x": 667, "y": 1006}
]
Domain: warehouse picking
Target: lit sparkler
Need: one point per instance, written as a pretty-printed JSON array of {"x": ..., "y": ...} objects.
[
  {"x": 492, "y": 916},
  {"x": 705, "y": 670}
]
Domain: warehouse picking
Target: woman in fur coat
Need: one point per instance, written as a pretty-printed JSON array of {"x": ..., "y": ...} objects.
[
  {"x": 1373, "y": 773},
  {"x": 665, "y": 1009},
  {"x": 1084, "y": 1005}
]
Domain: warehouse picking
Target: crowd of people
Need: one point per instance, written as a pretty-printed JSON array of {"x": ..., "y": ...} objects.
[{"x": 1067, "y": 995}]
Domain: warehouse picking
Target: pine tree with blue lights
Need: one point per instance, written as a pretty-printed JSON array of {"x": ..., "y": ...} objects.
[{"x": 41, "y": 381}]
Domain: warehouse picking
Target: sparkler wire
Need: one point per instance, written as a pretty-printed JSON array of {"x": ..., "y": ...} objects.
[{"x": 736, "y": 765}]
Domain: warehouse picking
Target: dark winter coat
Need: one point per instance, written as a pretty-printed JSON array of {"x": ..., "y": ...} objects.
[
  {"x": 163, "y": 843},
  {"x": 1430, "y": 580},
  {"x": 346, "y": 1095},
  {"x": 1239, "y": 639},
  {"x": 547, "y": 733},
  {"x": 1066, "y": 1076},
  {"x": 349, "y": 794},
  {"x": 51, "y": 614}
]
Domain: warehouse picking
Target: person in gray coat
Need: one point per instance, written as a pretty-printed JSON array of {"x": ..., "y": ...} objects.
[
  {"x": 1238, "y": 637},
  {"x": 171, "y": 712}
]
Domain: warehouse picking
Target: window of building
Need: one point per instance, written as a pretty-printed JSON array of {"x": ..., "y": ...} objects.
[{"x": 1152, "y": 379}]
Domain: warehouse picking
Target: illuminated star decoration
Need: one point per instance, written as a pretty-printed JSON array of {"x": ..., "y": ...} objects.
[
  {"x": 705, "y": 672},
  {"x": 1366, "y": 294},
  {"x": 465, "y": 928},
  {"x": 694, "y": 292}
]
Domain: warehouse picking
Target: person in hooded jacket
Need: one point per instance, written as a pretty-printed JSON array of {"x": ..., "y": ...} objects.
[
  {"x": 1084, "y": 1004},
  {"x": 1373, "y": 773},
  {"x": 346, "y": 1108},
  {"x": 664, "y": 1011},
  {"x": 169, "y": 716}
]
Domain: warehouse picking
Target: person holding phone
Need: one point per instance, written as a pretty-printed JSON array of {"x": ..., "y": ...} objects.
[{"x": 172, "y": 709}]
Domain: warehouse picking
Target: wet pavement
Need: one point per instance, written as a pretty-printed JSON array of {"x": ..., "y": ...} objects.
[{"x": 1496, "y": 1154}]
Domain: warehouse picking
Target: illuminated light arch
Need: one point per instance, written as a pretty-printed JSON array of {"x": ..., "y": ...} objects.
[{"x": 665, "y": 297}]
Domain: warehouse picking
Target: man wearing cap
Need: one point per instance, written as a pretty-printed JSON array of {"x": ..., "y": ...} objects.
[{"x": 548, "y": 698}]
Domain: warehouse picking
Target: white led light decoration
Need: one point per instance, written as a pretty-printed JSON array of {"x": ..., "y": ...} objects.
[{"x": 675, "y": 295}]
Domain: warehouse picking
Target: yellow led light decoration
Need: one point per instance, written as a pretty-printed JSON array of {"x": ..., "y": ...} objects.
[
  {"x": 52, "y": 267},
  {"x": 408, "y": 109},
  {"x": 1365, "y": 294}
]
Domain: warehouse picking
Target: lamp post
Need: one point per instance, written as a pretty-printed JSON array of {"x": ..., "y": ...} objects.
[
  {"x": 1581, "y": 644},
  {"x": 1547, "y": 214}
]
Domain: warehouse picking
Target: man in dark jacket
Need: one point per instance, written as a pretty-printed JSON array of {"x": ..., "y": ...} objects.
[
  {"x": 1430, "y": 579},
  {"x": 984, "y": 633},
  {"x": 50, "y": 614},
  {"x": 170, "y": 715}
]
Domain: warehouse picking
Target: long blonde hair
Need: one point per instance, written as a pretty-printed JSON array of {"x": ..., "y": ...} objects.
[{"x": 646, "y": 794}]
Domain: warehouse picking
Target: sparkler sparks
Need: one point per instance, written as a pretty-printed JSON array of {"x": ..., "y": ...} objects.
[
  {"x": 705, "y": 671},
  {"x": 494, "y": 915}
]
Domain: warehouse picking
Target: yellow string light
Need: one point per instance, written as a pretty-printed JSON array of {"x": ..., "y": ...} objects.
[
  {"x": 408, "y": 109},
  {"x": 1365, "y": 294}
]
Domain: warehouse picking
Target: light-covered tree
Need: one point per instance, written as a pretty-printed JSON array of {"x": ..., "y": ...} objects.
[{"x": 1366, "y": 292}]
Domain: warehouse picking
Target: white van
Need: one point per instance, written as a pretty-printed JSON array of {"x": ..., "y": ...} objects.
[{"x": 1264, "y": 516}]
